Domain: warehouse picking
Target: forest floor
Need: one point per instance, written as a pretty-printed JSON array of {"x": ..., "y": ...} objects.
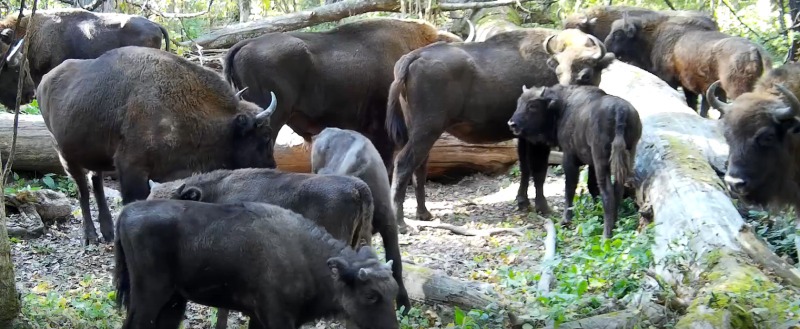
[{"x": 67, "y": 285}]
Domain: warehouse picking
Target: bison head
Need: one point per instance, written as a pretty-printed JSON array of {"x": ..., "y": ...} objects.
[
  {"x": 365, "y": 288},
  {"x": 536, "y": 116},
  {"x": 761, "y": 130},
  {"x": 577, "y": 58},
  {"x": 253, "y": 145},
  {"x": 9, "y": 74},
  {"x": 622, "y": 40},
  {"x": 579, "y": 21},
  {"x": 176, "y": 189}
]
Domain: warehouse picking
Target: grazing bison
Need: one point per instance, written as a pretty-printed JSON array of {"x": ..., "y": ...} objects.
[
  {"x": 58, "y": 35},
  {"x": 337, "y": 78},
  {"x": 343, "y": 205},
  {"x": 683, "y": 52},
  {"x": 592, "y": 128},
  {"x": 346, "y": 152},
  {"x": 761, "y": 127},
  {"x": 597, "y": 20},
  {"x": 9, "y": 76},
  {"x": 470, "y": 90},
  {"x": 270, "y": 263},
  {"x": 148, "y": 114}
]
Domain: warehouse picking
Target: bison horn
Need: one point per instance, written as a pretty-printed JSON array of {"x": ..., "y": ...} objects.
[
  {"x": 240, "y": 92},
  {"x": 268, "y": 111},
  {"x": 388, "y": 264},
  {"x": 471, "y": 36},
  {"x": 363, "y": 274},
  {"x": 599, "y": 44},
  {"x": 153, "y": 184},
  {"x": 525, "y": 89},
  {"x": 560, "y": 14},
  {"x": 14, "y": 50},
  {"x": 711, "y": 97},
  {"x": 546, "y": 45},
  {"x": 794, "y": 105}
]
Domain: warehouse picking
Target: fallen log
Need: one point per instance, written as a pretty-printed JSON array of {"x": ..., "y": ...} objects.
[
  {"x": 430, "y": 286},
  {"x": 449, "y": 158},
  {"x": 694, "y": 215}
]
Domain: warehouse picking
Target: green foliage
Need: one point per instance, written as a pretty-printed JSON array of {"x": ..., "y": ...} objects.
[
  {"x": 777, "y": 230},
  {"x": 51, "y": 181},
  {"x": 90, "y": 306}
]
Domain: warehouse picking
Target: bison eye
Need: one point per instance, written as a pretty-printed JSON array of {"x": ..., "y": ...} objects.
[
  {"x": 371, "y": 297},
  {"x": 766, "y": 138}
]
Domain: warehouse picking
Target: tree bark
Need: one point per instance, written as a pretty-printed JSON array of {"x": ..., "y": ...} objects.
[
  {"x": 244, "y": 11},
  {"x": 9, "y": 300},
  {"x": 35, "y": 147},
  {"x": 492, "y": 21},
  {"x": 675, "y": 172}
]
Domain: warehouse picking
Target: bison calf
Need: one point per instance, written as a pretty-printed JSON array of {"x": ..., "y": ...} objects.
[
  {"x": 346, "y": 152},
  {"x": 592, "y": 128},
  {"x": 148, "y": 114},
  {"x": 270, "y": 263}
]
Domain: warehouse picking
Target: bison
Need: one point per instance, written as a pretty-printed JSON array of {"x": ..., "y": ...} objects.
[
  {"x": 337, "y": 78},
  {"x": 343, "y": 205},
  {"x": 591, "y": 128},
  {"x": 346, "y": 152},
  {"x": 148, "y": 114},
  {"x": 597, "y": 20},
  {"x": 60, "y": 34},
  {"x": 761, "y": 128},
  {"x": 270, "y": 263},
  {"x": 9, "y": 75},
  {"x": 470, "y": 90},
  {"x": 683, "y": 52}
]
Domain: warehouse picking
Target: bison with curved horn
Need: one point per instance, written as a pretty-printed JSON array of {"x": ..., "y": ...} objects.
[
  {"x": 762, "y": 129},
  {"x": 597, "y": 20},
  {"x": 148, "y": 114}
]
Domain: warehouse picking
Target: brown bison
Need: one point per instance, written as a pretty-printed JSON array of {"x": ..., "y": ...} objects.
[
  {"x": 591, "y": 128},
  {"x": 337, "y": 78},
  {"x": 470, "y": 91},
  {"x": 597, "y": 20},
  {"x": 272, "y": 264},
  {"x": 684, "y": 53},
  {"x": 148, "y": 114},
  {"x": 9, "y": 75},
  {"x": 61, "y": 34},
  {"x": 761, "y": 128}
]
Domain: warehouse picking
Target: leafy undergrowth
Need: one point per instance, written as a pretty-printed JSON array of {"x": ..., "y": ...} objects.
[
  {"x": 88, "y": 305},
  {"x": 51, "y": 181},
  {"x": 777, "y": 229}
]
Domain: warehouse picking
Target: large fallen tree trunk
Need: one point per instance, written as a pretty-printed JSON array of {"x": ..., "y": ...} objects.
[
  {"x": 694, "y": 215},
  {"x": 449, "y": 157}
]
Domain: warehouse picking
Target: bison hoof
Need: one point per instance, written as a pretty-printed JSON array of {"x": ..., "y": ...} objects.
[
  {"x": 91, "y": 240},
  {"x": 565, "y": 222},
  {"x": 425, "y": 216},
  {"x": 402, "y": 228},
  {"x": 524, "y": 206},
  {"x": 542, "y": 208}
]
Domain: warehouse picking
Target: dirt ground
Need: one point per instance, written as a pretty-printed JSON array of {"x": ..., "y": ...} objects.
[{"x": 59, "y": 259}]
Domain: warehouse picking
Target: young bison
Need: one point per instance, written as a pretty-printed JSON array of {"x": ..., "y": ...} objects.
[
  {"x": 270, "y": 263},
  {"x": 761, "y": 127},
  {"x": 149, "y": 114},
  {"x": 347, "y": 152},
  {"x": 597, "y": 20},
  {"x": 591, "y": 127}
]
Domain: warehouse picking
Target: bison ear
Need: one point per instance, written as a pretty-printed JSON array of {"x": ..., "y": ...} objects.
[
  {"x": 7, "y": 36},
  {"x": 191, "y": 193},
  {"x": 339, "y": 268},
  {"x": 795, "y": 126},
  {"x": 243, "y": 124}
]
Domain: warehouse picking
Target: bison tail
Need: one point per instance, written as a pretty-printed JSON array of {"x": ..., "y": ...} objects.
[
  {"x": 166, "y": 37},
  {"x": 395, "y": 121},
  {"x": 228, "y": 70},
  {"x": 363, "y": 228},
  {"x": 121, "y": 275},
  {"x": 621, "y": 166}
]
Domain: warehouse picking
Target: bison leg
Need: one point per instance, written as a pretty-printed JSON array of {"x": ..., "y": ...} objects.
[
  {"x": 411, "y": 157},
  {"x": 420, "y": 176},
  {"x": 391, "y": 245},
  {"x": 222, "y": 318},
  {"x": 608, "y": 194},
  {"x": 591, "y": 184},
  {"x": 537, "y": 155},
  {"x": 571, "y": 176},
  {"x": 691, "y": 99},
  {"x": 151, "y": 300},
  {"x": 132, "y": 181},
  {"x": 79, "y": 176},
  {"x": 104, "y": 216},
  {"x": 172, "y": 314},
  {"x": 523, "y": 204}
]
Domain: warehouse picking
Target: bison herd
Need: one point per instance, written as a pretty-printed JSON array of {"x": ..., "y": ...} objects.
[{"x": 209, "y": 219}]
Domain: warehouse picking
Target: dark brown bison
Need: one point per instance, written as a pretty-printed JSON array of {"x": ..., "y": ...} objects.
[
  {"x": 337, "y": 78},
  {"x": 342, "y": 204},
  {"x": 9, "y": 75},
  {"x": 272, "y": 264},
  {"x": 591, "y": 128},
  {"x": 60, "y": 34},
  {"x": 597, "y": 20},
  {"x": 345, "y": 152},
  {"x": 683, "y": 52},
  {"x": 148, "y": 114},
  {"x": 762, "y": 130},
  {"x": 470, "y": 91}
]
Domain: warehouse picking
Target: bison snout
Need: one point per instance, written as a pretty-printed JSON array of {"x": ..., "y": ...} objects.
[
  {"x": 735, "y": 184},
  {"x": 513, "y": 126}
]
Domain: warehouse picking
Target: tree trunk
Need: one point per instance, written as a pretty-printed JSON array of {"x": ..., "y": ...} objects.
[
  {"x": 491, "y": 21},
  {"x": 9, "y": 300},
  {"x": 244, "y": 11},
  {"x": 675, "y": 164}
]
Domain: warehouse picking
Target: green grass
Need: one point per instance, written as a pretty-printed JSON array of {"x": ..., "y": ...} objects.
[{"x": 90, "y": 306}]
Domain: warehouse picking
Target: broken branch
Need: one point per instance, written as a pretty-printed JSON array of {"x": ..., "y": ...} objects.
[
  {"x": 460, "y": 230},
  {"x": 447, "y": 6},
  {"x": 547, "y": 278}
]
